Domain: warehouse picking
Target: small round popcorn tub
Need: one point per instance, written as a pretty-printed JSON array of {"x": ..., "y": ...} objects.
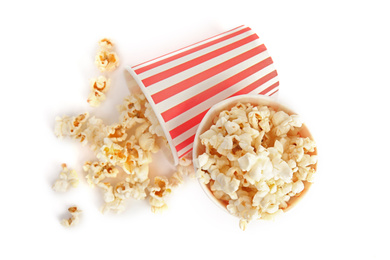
[
  {"x": 182, "y": 86},
  {"x": 227, "y": 104}
]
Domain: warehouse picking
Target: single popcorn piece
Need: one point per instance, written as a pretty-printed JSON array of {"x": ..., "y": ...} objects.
[
  {"x": 70, "y": 126},
  {"x": 99, "y": 86},
  {"x": 98, "y": 171},
  {"x": 147, "y": 142},
  {"x": 255, "y": 161},
  {"x": 74, "y": 219},
  {"x": 158, "y": 192},
  {"x": 106, "y": 60},
  {"x": 226, "y": 184},
  {"x": 155, "y": 127},
  {"x": 111, "y": 152},
  {"x": 116, "y": 132},
  {"x": 68, "y": 178},
  {"x": 94, "y": 134},
  {"x": 108, "y": 191}
]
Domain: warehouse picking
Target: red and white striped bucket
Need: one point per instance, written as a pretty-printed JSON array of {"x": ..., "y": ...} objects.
[{"x": 182, "y": 86}]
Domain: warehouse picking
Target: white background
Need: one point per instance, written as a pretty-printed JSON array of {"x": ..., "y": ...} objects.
[{"x": 333, "y": 61}]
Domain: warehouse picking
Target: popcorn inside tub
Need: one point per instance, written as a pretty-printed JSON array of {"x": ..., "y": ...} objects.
[{"x": 255, "y": 160}]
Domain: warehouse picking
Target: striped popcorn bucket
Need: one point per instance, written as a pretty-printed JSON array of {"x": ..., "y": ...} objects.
[{"x": 181, "y": 86}]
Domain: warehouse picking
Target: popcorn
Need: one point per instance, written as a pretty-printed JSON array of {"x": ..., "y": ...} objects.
[
  {"x": 74, "y": 219},
  {"x": 158, "y": 192},
  {"x": 106, "y": 60},
  {"x": 106, "y": 44},
  {"x": 108, "y": 191},
  {"x": 99, "y": 86},
  {"x": 98, "y": 171},
  {"x": 255, "y": 161},
  {"x": 70, "y": 126},
  {"x": 226, "y": 184},
  {"x": 68, "y": 178},
  {"x": 231, "y": 127},
  {"x": 155, "y": 127},
  {"x": 203, "y": 176},
  {"x": 297, "y": 187},
  {"x": 116, "y": 206},
  {"x": 111, "y": 152},
  {"x": 122, "y": 190},
  {"x": 116, "y": 132},
  {"x": 123, "y": 149},
  {"x": 247, "y": 161},
  {"x": 138, "y": 187},
  {"x": 147, "y": 142}
]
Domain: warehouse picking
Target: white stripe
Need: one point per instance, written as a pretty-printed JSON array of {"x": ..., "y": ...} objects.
[
  {"x": 184, "y": 136},
  {"x": 206, "y": 84},
  {"x": 185, "y": 149},
  {"x": 158, "y": 86},
  {"x": 186, "y": 48},
  {"x": 265, "y": 85},
  {"x": 199, "y": 108},
  {"x": 192, "y": 56}
]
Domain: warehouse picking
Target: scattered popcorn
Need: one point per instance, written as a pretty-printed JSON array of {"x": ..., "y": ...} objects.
[
  {"x": 68, "y": 178},
  {"x": 255, "y": 161},
  {"x": 74, "y": 219},
  {"x": 124, "y": 149}
]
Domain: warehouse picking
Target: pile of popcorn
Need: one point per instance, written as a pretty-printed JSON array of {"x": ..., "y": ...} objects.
[
  {"x": 255, "y": 161},
  {"x": 123, "y": 150}
]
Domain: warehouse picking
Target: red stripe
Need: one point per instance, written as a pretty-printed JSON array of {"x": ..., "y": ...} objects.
[
  {"x": 187, "y": 125},
  {"x": 210, "y": 92},
  {"x": 184, "y": 53},
  {"x": 185, "y": 153},
  {"x": 274, "y": 92},
  {"x": 256, "y": 84},
  {"x": 268, "y": 90},
  {"x": 198, "y": 60},
  {"x": 185, "y": 143},
  {"x": 187, "y": 83}
]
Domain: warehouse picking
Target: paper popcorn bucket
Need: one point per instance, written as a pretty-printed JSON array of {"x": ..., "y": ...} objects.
[{"x": 181, "y": 86}]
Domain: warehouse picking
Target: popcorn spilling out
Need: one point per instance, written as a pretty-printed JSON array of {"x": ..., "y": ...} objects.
[
  {"x": 124, "y": 148},
  {"x": 68, "y": 178},
  {"x": 74, "y": 219},
  {"x": 255, "y": 161}
]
